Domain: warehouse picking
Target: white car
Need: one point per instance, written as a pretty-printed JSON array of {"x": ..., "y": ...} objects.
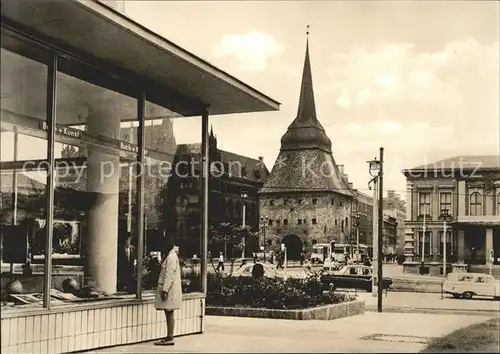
[
  {"x": 331, "y": 266},
  {"x": 246, "y": 270},
  {"x": 467, "y": 285}
]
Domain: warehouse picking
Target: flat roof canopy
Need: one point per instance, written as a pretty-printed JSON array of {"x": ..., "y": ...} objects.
[{"x": 99, "y": 32}]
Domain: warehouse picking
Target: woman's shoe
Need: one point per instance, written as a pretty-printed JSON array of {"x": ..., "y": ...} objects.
[{"x": 165, "y": 341}]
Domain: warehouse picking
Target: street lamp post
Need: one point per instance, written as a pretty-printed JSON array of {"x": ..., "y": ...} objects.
[
  {"x": 264, "y": 224},
  {"x": 357, "y": 233},
  {"x": 445, "y": 228},
  {"x": 377, "y": 166},
  {"x": 243, "y": 196}
]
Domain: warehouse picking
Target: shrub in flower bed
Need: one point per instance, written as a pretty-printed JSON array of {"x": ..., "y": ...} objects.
[{"x": 270, "y": 293}]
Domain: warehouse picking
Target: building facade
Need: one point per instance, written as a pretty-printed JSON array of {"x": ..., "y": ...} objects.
[
  {"x": 389, "y": 235},
  {"x": 463, "y": 194},
  {"x": 364, "y": 213},
  {"x": 233, "y": 195},
  {"x": 395, "y": 207}
]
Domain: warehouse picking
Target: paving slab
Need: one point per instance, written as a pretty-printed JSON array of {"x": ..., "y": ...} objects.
[{"x": 371, "y": 332}]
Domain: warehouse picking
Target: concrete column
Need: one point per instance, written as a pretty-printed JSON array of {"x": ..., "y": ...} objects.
[
  {"x": 103, "y": 177},
  {"x": 489, "y": 244},
  {"x": 460, "y": 246},
  {"x": 461, "y": 198},
  {"x": 409, "y": 199}
]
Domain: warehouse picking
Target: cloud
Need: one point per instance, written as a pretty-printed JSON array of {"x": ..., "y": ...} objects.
[
  {"x": 395, "y": 72},
  {"x": 252, "y": 50},
  {"x": 414, "y": 136},
  {"x": 344, "y": 100}
]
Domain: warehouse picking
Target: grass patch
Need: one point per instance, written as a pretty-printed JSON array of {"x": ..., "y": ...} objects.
[{"x": 478, "y": 338}]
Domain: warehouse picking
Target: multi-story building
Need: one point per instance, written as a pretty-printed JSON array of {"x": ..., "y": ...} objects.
[
  {"x": 364, "y": 210},
  {"x": 233, "y": 195},
  {"x": 364, "y": 207},
  {"x": 463, "y": 195},
  {"x": 389, "y": 234},
  {"x": 395, "y": 207}
]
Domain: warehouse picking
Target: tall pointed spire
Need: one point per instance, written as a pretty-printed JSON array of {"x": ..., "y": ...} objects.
[
  {"x": 306, "y": 132},
  {"x": 307, "y": 107}
]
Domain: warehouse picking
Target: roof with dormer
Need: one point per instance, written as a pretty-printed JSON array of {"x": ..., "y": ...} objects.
[{"x": 305, "y": 162}]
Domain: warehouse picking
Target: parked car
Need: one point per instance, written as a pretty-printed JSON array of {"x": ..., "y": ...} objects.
[
  {"x": 247, "y": 270},
  {"x": 467, "y": 285},
  {"x": 353, "y": 277}
]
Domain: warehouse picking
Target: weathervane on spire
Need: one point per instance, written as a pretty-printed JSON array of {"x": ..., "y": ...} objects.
[{"x": 307, "y": 30}]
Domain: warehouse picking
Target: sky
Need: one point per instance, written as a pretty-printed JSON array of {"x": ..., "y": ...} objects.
[{"x": 420, "y": 79}]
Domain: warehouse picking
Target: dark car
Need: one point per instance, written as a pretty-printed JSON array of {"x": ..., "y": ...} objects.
[{"x": 353, "y": 277}]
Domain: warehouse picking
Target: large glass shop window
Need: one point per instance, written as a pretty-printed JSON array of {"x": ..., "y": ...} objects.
[
  {"x": 23, "y": 167},
  {"x": 96, "y": 205},
  {"x": 172, "y": 196},
  {"x": 95, "y": 179}
]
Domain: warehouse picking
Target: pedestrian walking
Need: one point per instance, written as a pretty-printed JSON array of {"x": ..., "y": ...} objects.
[
  {"x": 280, "y": 260},
  {"x": 169, "y": 290},
  {"x": 220, "y": 266}
]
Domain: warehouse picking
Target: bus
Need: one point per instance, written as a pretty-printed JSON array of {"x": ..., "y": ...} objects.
[
  {"x": 320, "y": 252},
  {"x": 340, "y": 250}
]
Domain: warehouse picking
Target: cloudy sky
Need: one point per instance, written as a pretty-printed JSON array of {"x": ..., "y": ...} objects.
[{"x": 418, "y": 78}]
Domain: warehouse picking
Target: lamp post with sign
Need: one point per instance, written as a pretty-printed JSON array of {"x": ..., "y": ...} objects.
[
  {"x": 444, "y": 214},
  {"x": 376, "y": 171},
  {"x": 243, "y": 224},
  {"x": 264, "y": 224}
]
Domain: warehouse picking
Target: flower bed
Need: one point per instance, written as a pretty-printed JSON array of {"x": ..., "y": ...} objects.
[{"x": 270, "y": 293}]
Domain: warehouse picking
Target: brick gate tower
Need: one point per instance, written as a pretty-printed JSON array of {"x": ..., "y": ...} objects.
[{"x": 307, "y": 198}]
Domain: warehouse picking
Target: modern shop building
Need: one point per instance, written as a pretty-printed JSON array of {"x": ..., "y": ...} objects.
[{"x": 73, "y": 75}]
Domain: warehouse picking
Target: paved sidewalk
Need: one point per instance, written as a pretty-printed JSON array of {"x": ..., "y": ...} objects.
[
  {"x": 368, "y": 333},
  {"x": 428, "y": 302}
]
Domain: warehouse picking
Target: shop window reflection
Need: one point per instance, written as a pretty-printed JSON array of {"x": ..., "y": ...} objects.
[
  {"x": 23, "y": 150},
  {"x": 168, "y": 209},
  {"x": 95, "y": 178}
]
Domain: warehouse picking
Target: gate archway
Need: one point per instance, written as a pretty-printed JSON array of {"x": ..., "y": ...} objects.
[{"x": 294, "y": 246}]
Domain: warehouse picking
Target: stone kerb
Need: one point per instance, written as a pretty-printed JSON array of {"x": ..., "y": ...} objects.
[{"x": 327, "y": 312}]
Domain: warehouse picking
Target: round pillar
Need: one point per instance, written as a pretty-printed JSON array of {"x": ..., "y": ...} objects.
[{"x": 103, "y": 177}]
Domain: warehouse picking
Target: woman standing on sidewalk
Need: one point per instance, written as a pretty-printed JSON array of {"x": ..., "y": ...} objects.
[{"x": 169, "y": 290}]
